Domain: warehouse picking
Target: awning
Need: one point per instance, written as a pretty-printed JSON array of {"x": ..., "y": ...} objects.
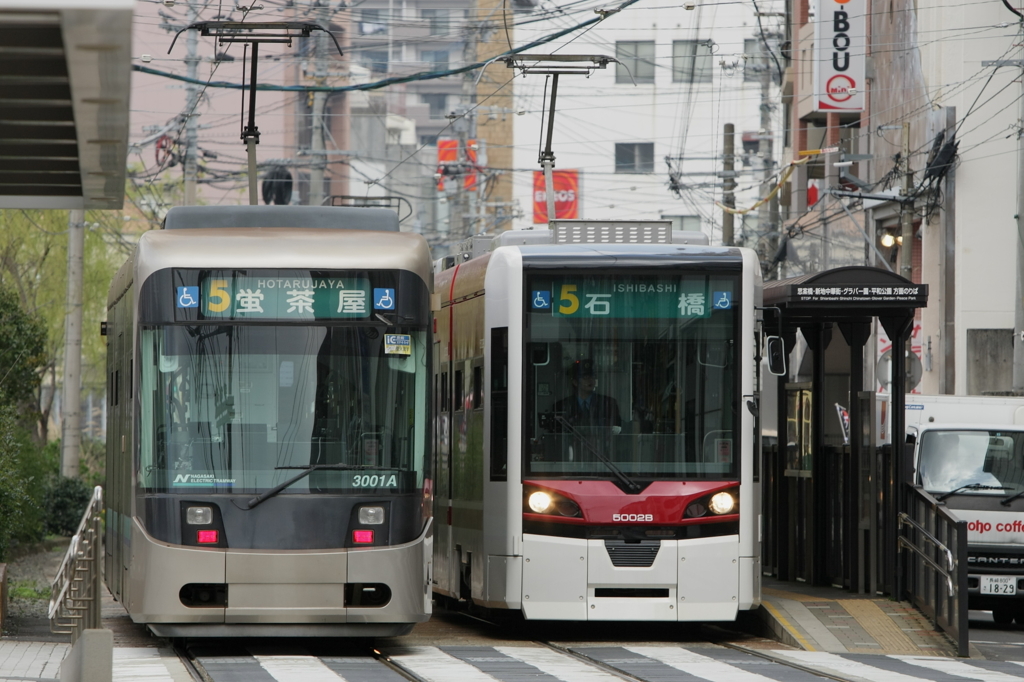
[{"x": 65, "y": 68}]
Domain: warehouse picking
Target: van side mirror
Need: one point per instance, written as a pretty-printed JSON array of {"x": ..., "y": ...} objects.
[{"x": 775, "y": 350}]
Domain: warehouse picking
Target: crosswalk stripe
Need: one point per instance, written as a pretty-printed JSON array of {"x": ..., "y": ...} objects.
[
  {"x": 945, "y": 665},
  {"x": 142, "y": 663},
  {"x": 297, "y": 669},
  {"x": 558, "y": 665},
  {"x": 843, "y": 666},
  {"x": 697, "y": 665},
  {"x": 434, "y": 665}
]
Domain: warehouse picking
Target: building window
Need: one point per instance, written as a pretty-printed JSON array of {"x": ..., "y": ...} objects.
[
  {"x": 753, "y": 64},
  {"x": 375, "y": 60},
  {"x": 691, "y": 61},
  {"x": 634, "y": 157},
  {"x": 371, "y": 22},
  {"x": 438, "y": 105},
  {"x": 437, "y": 20},
  {"x": 636, "y": 58},
  {"x": 437, "y": 59}
]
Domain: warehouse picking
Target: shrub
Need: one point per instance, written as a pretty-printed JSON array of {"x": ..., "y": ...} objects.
[
  {"x": 65, "y": 500},
  {"x": 13, "y": 499}
]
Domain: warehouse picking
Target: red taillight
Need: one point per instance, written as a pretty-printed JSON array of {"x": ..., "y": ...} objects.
[
  {"x": 208, "y": 537},
  {"x": 362, "y": 537}
]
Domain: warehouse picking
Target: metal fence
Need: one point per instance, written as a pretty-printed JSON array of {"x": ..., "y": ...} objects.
[
  {"x": 933, "y": 542},
  {"x": 76, "y": 592}
]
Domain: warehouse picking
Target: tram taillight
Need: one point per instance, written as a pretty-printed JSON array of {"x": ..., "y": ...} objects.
[
  {"x": 362, "y": 537},
  {"x": 208, "y": 537}
]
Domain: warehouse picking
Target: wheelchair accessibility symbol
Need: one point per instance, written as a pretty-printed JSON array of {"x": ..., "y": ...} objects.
[
  {"x": 721, "y": 300},
  {"x": 188, "y": 297},
  {"x": 383, "y": 299},
  {"x": 541, "y": 300}
]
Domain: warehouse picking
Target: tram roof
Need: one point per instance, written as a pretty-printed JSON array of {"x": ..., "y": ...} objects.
[
  {"x": 65, "y": 79},
  {"x": 844, "y": 294},
  {"x": 627, "y": 255},
  {"x": 325, "y": 217}
]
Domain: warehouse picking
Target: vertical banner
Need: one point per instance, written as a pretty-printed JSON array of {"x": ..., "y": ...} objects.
[
  {"x": 840, "y": 54},
  {"x": 567, "y": 196}
]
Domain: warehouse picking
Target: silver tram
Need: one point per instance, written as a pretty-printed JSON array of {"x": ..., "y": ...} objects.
[
  {"x": 597, "y": 440},
  {"x": 267, "y": 461}
]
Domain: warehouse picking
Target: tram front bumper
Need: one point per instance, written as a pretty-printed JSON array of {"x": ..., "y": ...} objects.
[
  {"x": 686, "y": 580},
  {"x": 279, "y": 587}
]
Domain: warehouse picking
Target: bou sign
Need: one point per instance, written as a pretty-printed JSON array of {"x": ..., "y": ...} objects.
[{"x": 839, "y": 55}]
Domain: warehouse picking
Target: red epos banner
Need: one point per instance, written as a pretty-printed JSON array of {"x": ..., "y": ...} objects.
[{"x": 567, "y": 195}]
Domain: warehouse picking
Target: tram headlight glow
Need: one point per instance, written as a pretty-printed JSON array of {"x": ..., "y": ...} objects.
[
  {"x": 371, "y": 516},
  {"x": 199, "y": 516},
  {"x": 540, "y": 502},
  {"x": 722, "y": 503}
]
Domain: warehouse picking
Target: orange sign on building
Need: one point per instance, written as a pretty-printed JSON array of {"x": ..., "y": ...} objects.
[{"x": 567, "y": 195}]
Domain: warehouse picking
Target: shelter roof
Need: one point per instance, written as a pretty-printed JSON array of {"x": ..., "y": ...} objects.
[{"x": 65, "y": 78}]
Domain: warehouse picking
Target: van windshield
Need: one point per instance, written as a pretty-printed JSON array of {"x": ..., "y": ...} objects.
[{"x": 979, "y": 462}]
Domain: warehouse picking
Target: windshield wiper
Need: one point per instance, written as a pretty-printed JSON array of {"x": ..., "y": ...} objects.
[
  {"x": 307, "y": 469},
  {"x": 632, "y": 485},
  {"x": 970, "y": 486},
  {"x": 1007, "y": 500}
]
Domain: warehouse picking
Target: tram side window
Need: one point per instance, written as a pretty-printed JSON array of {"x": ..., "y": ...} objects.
[
  {"x": 478, "y": 388},
  {"x": 499, "y": 404},
  {"x": 445, "y": 395},
  {"x": 459, "y": 391}
]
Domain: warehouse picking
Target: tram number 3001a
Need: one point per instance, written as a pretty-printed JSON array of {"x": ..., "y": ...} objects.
[
  {"x": 632, "y": 517},
  {"x": 375, "y": 481}
]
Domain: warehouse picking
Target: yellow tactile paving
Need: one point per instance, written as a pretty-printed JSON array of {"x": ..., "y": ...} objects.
[
  {"x": 880, "y": 626},
  {"x": 782, "y": 594}
]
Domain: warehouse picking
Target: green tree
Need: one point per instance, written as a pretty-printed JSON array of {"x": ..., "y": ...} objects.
[
  {"x": 33, "y": 264},
  {"x": 22, "y": 350},
  {"x": 13, "y": 498}
]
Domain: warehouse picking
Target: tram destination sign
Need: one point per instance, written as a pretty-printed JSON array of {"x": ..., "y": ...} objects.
[
  {"x": 859, "y": 295},
  {"x": 630, "y": 297},
  {"x": 222, "y": 295}
]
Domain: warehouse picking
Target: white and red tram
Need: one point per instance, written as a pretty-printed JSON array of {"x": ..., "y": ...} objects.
[{"x": 597, "y": 440}]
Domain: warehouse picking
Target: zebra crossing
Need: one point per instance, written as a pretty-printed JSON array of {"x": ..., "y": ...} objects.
[{"x": 609, "y": 663}]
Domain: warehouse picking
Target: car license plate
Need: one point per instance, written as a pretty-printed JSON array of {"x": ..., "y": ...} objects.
[{"x": 998, "y": 585}]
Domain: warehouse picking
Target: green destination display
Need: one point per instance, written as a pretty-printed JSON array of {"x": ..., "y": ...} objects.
[
  {"x": 284, "y": 298},
  {"x": 634, "y": 297}
]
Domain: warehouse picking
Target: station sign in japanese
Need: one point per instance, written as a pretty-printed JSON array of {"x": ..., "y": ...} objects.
[
  {"x": 635, "y": 297},
  {"x": 860, "y": 294},
  {"x": 840, "y": 55},
  {"x": 221, "y": 295}
]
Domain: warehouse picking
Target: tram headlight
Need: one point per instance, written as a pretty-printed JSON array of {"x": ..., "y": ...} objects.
[
  {"x": 540, "y": 501},
  {"x": 371, "y": 516},
  {"x": 548, "y": 502},
  {"x": 717, "y": 504},
  {"x": 199, "y": 516},
  {"x": 722, "y": 503}
]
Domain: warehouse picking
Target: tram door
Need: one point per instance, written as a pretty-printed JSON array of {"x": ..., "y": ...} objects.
[{"x": 798, "y": 479}]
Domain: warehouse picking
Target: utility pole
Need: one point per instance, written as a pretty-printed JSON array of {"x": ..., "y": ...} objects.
[
  {"x": 907, "y": 209},
  {"x": 729, "y": 185},
  {"x": 467, "y": 129},
  {"x": 71, "y": 401},
  {"x": 1018, "y": 306},
  {"x": 316, "y": 143},
  {"x": 767, "y": 213},
  {"x": 191, "y": 124}
]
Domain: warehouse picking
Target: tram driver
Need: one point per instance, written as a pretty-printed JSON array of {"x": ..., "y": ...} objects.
[{"x": 585, "y": 407}]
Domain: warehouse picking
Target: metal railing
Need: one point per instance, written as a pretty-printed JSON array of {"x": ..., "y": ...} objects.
[
  {"x": 935, "y": 564},
  {"x": 76, "y": 592}
]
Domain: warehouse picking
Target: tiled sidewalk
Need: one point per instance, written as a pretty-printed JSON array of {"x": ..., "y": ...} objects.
[{"x": 831, "y": 620}]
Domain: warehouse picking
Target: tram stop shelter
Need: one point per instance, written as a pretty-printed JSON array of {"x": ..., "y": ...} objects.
[
  {"x": 823, "y": 486},
  {"x": 65, "y": 81}
]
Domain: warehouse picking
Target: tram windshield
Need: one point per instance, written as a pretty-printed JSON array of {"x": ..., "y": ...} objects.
[
  {"x": 632, "y": 372},
  {"x": 972, "y": 462},
  {"x": 241, "y": 408}
]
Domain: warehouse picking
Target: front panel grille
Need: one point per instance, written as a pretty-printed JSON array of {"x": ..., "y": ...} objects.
[{"x": 632, "y": 554}]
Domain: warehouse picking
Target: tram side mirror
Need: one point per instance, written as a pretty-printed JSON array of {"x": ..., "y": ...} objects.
[{"x": 776, "y": 352}]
